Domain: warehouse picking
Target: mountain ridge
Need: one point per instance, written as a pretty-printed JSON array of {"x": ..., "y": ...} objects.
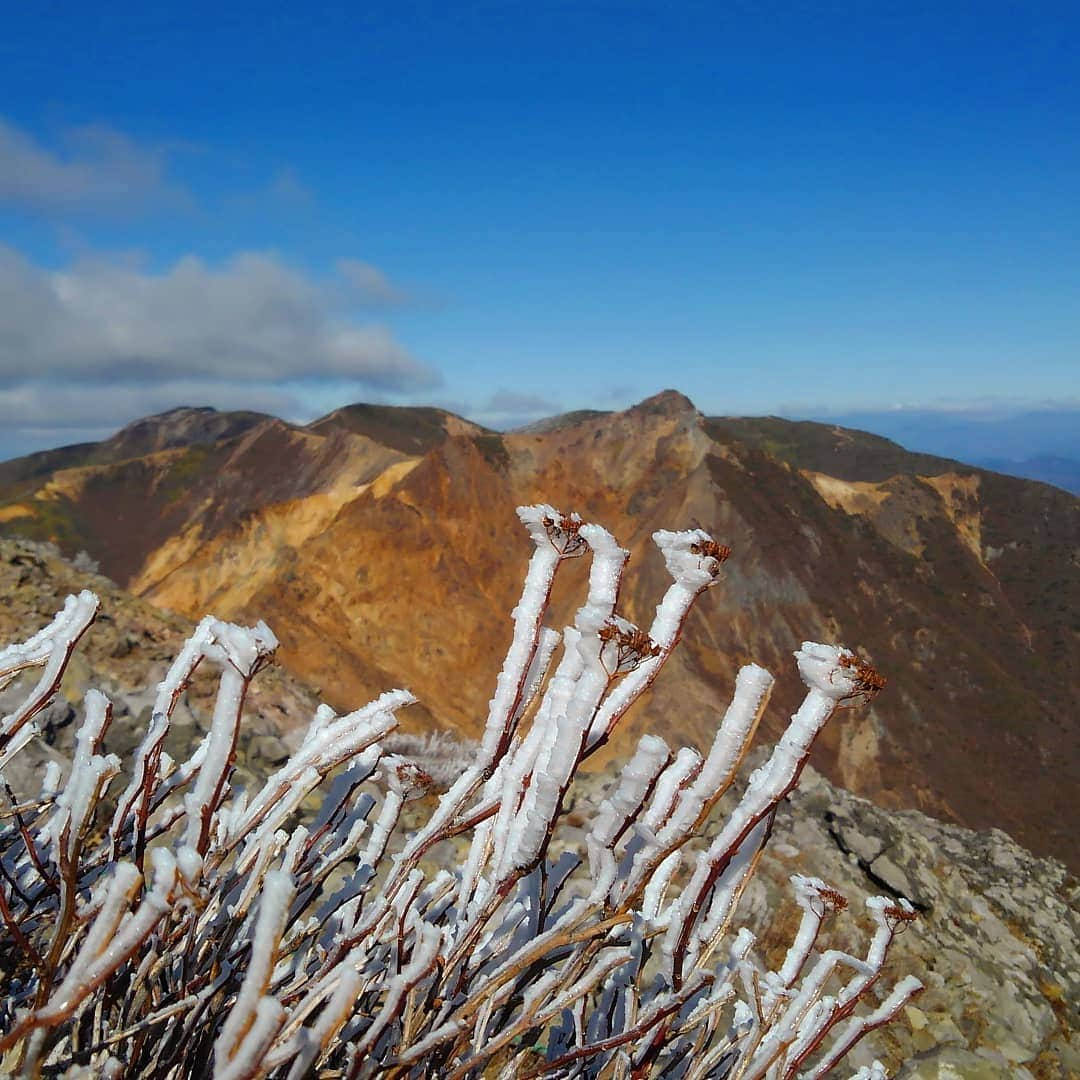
[{"x": 377, "y": 566}]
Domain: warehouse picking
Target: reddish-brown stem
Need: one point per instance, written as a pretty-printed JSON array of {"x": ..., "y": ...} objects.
[
  {"x": 717, "y": 869},
  {"x": 20, "y": 938},
  {"x": 510, "y": 723},
  {"x": 212, "y": 803},
  {"x": 31, "y": 847},
  {"x": 841, "y": 1051}
]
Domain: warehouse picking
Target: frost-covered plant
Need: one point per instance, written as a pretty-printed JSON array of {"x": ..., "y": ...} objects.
[
  {"x": 441, "y": 754},
  {"x": 195, "y": 929}
]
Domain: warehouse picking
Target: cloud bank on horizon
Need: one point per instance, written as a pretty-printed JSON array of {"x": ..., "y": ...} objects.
[
  {"x": 254, "y": 322},
  {"x": 106, "y": 338}
]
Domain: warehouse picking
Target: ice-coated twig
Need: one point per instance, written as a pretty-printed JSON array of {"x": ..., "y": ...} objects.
[
  {"x": 115, "y": 936},
  {"x": 240, "y": 653},
  {"x": 247, "y": 1059},
  {"x": 828, "y": 682},
  {"x": 693, "y": 559},
  {"x": 146, "y": 773},
  {"x": 625, "y": 802},
  {"x": 566, "y": 717},
  {"x": 859, "y": 1026},
  {"x": 277, "y": 894},
  {"x": 50, "y": 648},
  {"x": 555, "y": 538},
  {"x": 90, "y": 773}
]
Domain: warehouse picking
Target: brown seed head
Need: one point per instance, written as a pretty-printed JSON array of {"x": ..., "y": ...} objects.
[
  {"x": 563, "y": 532},
  {"x": 712, "y": 549},
  {"x": 868, "y": 682},
  {"x": 899, "y": 918},
  {"x": 631, "y": 647},
  {"x": 832, "y": 901},
  {"x": 409, "y": 779}
]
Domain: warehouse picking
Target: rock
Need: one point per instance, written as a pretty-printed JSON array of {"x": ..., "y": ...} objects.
[
  {"x": 56, "y": 716},
  {"x": 955, "y": 1063},
  {"x": 996, "y": 943},
  {"x": 123, "y": 646},
  {"x": 268, "y": 750}
]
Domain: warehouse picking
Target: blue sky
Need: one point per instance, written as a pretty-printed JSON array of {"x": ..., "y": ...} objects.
[{"x": 516, "y": 209}]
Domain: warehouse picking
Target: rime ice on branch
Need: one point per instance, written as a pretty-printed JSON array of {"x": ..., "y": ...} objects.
[{"x": 275, "y": 939}]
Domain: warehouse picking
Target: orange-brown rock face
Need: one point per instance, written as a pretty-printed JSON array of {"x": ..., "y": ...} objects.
[{"x": 382, "y": 547}]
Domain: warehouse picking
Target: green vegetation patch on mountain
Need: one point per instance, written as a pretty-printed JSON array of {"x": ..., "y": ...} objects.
[
  {"x": 841, "y": 452},
  {"x": 410, "y": 430}
]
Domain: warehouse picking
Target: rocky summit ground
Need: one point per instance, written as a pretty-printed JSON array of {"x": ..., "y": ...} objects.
[{"x": 995, "y": 943}]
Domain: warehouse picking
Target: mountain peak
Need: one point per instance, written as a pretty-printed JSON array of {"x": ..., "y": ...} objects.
[
  {"x": 410, "y": 429},
  {"x": 183, "y": 426},
  {"x": 841, "y": 534},
  {"x": 666, "y": 403}
]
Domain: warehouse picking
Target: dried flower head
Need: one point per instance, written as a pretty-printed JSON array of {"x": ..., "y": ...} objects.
[
  {"x": 692, "y": 557},
  {"x": 867, "y": 683},
  {"x": 899, "y": 916},
  {"x": 813, "y": 894},
  {"x": 712, "y": 550},
  {"x": 564, "y": 533},
  {"x": 831, "y": 901},
  {"x": 624, "y": 646},
  {"x": 406, "y": 777}
]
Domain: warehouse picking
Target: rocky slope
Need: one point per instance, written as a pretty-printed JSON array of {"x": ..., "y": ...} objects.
[
  {"x": 381, "y": 546},
  {"x": 995, "y": 943}
]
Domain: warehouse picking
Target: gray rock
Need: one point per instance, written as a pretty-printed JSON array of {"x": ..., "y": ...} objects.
[{"x": 996, "y": 944}]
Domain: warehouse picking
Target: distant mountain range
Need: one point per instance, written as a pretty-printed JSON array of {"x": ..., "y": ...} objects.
[
  {"x": 1039, "y": 445},
  {"x": 380, "y": 544}
]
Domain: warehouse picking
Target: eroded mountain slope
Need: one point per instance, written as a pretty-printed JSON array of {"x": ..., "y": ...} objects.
[{"x": 383, "y": 554}]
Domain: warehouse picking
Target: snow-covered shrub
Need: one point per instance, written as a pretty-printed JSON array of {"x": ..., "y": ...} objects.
[{"x": 194, "y": 929}]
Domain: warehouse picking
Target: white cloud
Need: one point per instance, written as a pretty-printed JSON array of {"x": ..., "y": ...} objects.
[
  {"x": 371, "y": 283},
  {"x": 93, "y": 167},
  {"x": 989, "y": 407},
  {"x": 287, "y": 187},
  {"x": 506, "y": 410},
  {"x": 251, "y": 319},
  {"x": 514, "y": 403},
  {"x": 46, "y": 407}
]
